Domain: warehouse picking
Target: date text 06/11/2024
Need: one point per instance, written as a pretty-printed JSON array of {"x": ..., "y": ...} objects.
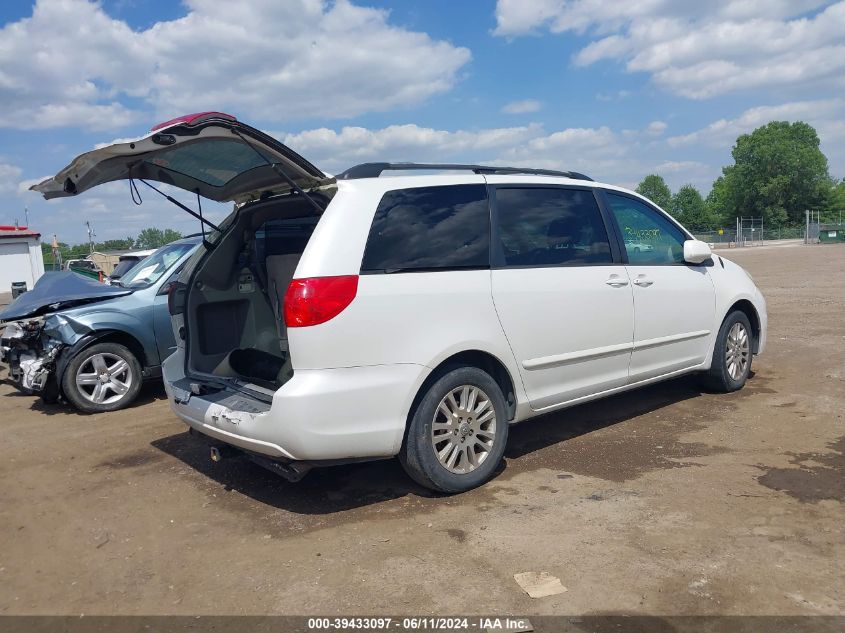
[{"x": 427, "y": 623}]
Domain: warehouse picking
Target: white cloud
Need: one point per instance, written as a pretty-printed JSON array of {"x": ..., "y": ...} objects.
[
  {"x": 334, "y": 151},
  {"x": 603, "y": 153},
  {"x": 72, "y": 64},
  {"x": 825, "y": 115},
  {"x": 656, "y": 128},
  {"x": 9, "y": 177},
  {"x": 699, "y": 50},
  {"x": 522, "y": 107}
]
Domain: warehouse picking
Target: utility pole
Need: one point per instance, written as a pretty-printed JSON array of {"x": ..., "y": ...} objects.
[
  {"x": 91, "y": 236},
  {"x": 26, "y": 214}
]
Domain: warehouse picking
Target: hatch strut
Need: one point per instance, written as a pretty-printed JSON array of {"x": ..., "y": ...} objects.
[
  {"x": 134, "y": 189},
  {"x": 275, "y": 167}
]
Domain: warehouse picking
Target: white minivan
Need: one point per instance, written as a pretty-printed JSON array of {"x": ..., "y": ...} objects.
[{"x": 418, "y": 310}]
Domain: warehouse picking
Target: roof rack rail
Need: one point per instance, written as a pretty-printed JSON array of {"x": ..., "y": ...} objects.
[{"x": 374, "y": 170}]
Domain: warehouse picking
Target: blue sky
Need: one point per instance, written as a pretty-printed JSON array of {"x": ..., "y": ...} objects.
[{"x": 615, "y": 90}]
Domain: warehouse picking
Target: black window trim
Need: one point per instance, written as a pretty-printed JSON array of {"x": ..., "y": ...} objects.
[
  {"x": 445, "y": 269},
  {"x": 607, "y": 211},
  {"x": 497, "y": 257}
]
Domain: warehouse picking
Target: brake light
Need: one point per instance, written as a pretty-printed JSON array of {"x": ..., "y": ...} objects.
[
  {"x": 192, "y": 119},
  {"x": 316, "y": 300}
]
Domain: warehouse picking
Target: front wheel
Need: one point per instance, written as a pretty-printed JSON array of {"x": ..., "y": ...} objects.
[
  {"x": 457, "y": 433},
  {"x": 103, "y": 377},
  {"x": 732, "y": 354}
]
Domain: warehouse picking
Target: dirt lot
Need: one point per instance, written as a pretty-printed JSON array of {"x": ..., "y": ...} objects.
[{"x": 661, "y": 501}]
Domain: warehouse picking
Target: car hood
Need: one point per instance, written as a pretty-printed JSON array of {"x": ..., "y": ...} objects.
[
  {"x": 58, "y": 291},
  {"x": 210, "y": 153}
]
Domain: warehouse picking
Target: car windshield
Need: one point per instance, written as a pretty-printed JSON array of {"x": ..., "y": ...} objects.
[{"x": 149, "y": 270}]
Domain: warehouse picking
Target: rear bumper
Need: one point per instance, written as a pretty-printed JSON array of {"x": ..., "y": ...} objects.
[{"x": 320, "y": 414}]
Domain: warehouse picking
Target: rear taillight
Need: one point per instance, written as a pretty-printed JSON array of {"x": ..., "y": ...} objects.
[
  {"x": 317, "y": 299},
  {"x": 176, "y": 294}
]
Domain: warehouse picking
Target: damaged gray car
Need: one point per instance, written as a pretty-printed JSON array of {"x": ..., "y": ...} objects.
[{"x": 92, "y": 344}]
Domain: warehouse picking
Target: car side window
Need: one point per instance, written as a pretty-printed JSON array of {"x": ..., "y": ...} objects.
[
  {"x": 554, "y": 226},
  {"x": 429, "y": 229},
  {"x": 650, "y": 238}
]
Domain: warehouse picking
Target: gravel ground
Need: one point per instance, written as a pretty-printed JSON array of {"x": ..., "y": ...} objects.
[{"x": 662, "y": 501}]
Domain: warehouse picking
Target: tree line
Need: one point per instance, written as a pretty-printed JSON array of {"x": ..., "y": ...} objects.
[
  {"x": 147, "y": 239},
  {"x": 779, "y": 172}
]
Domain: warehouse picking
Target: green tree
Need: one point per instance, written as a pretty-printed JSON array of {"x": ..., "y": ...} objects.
[
  {"x": 689, "y": 208},
  {"x": 717, "y": 203},
  {"x": 836, "y": 209},
  {"x": 778, "y": 172},
  {"x": 655, "y": 189},
  {"x": 155, "y": 238},
  {"x": 115, "y": 245}
]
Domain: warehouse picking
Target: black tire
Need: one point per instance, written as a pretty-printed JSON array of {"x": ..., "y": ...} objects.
[
  {"x": 80, "y": 396},
  {"x": 719, "y": 377},
  {"x": 419, "y": 456},
  {"x": 50, "y": 393}
]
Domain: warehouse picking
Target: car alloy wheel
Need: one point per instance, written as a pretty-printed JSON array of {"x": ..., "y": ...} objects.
[
  {"x": 737, "y": 351},
  {"x": 463, "y": 429},
  {"x": 104, "y": 378}
]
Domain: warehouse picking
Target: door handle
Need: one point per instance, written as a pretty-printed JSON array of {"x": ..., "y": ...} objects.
[
  {"x": 643, "y": 282},
  {"x": 616, "y": 282}
]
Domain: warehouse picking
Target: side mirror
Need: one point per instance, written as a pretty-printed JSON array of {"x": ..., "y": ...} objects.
[{"x": 696, "y": 252}]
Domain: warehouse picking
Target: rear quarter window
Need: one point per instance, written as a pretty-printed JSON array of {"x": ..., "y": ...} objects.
[{"x": 429, "y": 229}]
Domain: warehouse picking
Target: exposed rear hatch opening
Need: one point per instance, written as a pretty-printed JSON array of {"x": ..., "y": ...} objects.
[
  {"x": 210, "y": 154},
  {"x": 234, "y": 309}
]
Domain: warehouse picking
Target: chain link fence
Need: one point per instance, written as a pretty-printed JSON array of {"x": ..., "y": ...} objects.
[{"x": 728, "y": 238}]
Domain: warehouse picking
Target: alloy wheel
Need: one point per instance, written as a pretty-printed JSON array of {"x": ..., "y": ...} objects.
[
  {"x": 104, "y": 378},
  {"x": 737, "y": 351},
  {"x": 463, "y": 429}
]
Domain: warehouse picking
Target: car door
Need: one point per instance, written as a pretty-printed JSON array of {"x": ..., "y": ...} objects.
[
  {"x": 674, "y": 302},
  {"x": 561, "y": 292}
]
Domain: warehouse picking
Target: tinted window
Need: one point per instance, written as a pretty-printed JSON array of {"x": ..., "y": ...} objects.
[
  {"x": 286, "y": 236},
  {"x": 430, "y": 228},
  {"x": 650, "y": 238},
  {"x": 214, "y": 162},
  {"x": 550, "y": 227}
]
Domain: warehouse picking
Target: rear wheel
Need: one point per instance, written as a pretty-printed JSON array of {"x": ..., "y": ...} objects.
[
  {"x": 103, "y": 377},
  {"x": 457, "y": 433},
  {"x": 732, "y": 354}
]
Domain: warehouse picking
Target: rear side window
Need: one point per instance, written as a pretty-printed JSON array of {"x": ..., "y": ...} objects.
[
  {"x": 430, "y": 229},
  {"x": 550, "y": 227}
]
